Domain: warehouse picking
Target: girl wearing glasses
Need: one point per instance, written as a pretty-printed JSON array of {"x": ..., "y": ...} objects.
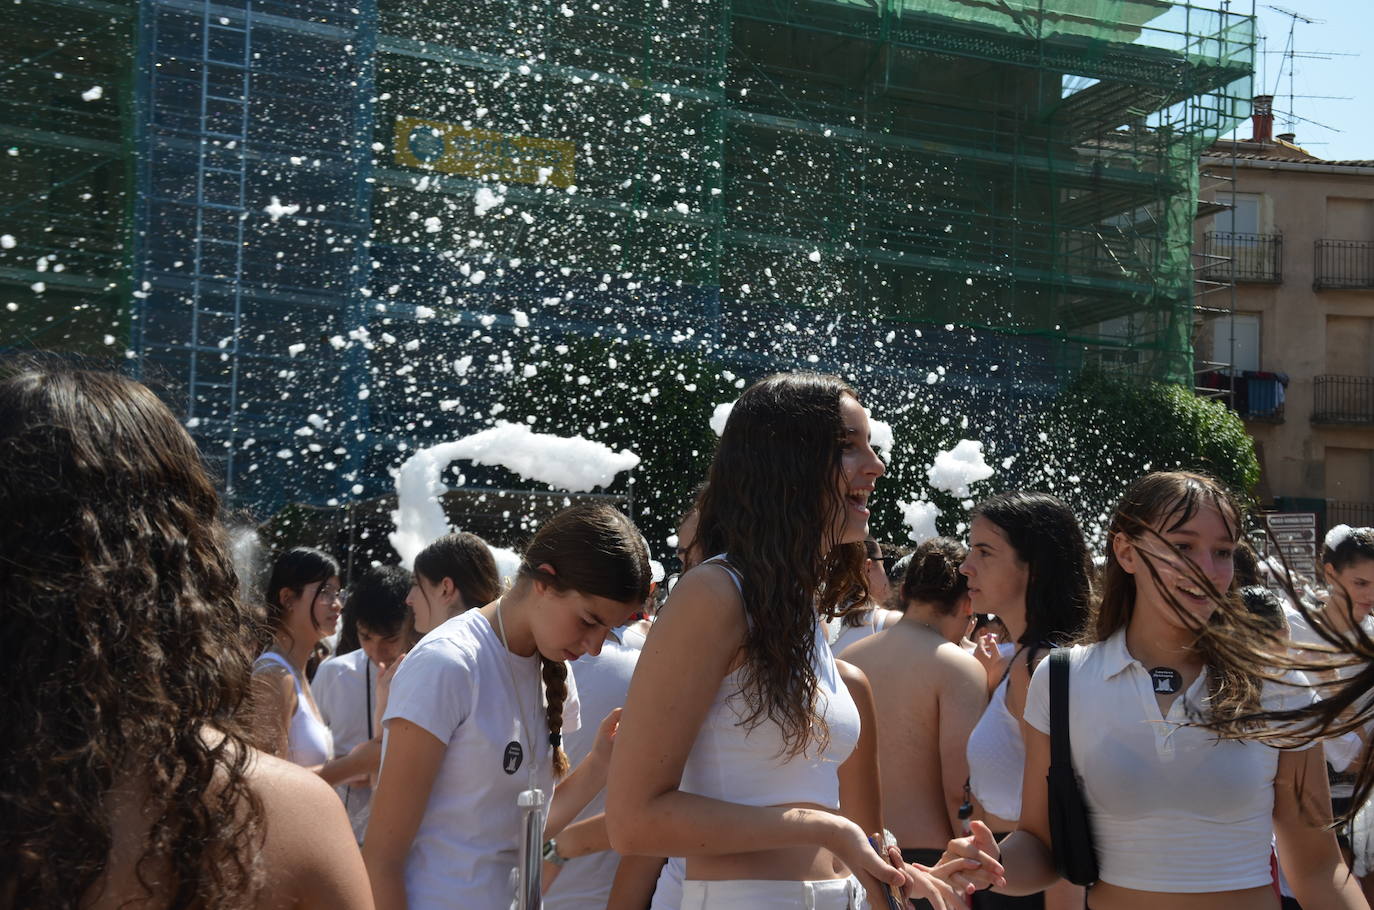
[{"x": 303, "y": 605}]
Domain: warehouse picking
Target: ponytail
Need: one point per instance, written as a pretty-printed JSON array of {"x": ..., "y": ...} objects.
[{"x": 555, "y": 693}]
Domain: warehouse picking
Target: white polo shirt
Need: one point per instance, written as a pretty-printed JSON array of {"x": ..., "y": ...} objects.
[{"x": 1173, "y": 808}]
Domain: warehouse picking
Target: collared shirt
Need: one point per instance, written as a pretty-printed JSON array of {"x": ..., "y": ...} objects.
[{"x": 1173, "y": 808}]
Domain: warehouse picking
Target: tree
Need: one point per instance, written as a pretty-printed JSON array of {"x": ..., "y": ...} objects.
[{"x": 1102, "y": 432}]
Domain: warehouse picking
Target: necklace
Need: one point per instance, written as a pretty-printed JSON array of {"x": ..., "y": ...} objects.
[
  {"x": 515, "y": 752},
  {"x": 1166, "y": 680},
  {"x": 531, "y": 801}
]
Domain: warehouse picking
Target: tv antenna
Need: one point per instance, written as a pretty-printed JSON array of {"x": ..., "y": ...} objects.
[{"x": 1289, "y": 57}]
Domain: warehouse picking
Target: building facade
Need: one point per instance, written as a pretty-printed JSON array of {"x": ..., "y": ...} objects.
[{"x": 1297, "y": 330}]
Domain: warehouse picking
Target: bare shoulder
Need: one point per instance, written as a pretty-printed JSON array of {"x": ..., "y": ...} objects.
[
  {"x": 275, "y": 679},
  {"x": 295, "y": 800},
  {"x": 958, "y": 668},
  {"x": 309, "y": 850},
  {"x": 853, "y": 676},
  {"x": 955, "y": 659},
  {"x": 704, "y": 604}
]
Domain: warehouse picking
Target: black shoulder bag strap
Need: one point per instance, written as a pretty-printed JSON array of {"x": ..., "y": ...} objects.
[
  {"x": 1070, "y": 824},
  {"x": 1060, "y": 751}
]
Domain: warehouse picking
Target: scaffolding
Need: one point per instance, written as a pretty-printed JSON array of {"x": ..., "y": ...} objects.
[
  {"x": 338, "y": 203},
  {"x": 66, "y": 117}
]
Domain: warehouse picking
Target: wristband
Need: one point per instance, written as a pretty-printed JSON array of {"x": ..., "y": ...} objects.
[{"x": 550, "y": 853}]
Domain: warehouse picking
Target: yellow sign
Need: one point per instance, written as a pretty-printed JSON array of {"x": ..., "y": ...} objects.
[{"x": 452, "y": 148}]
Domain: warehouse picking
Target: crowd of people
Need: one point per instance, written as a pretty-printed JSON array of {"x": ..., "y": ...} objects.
[{"x": 802, "y": 718}]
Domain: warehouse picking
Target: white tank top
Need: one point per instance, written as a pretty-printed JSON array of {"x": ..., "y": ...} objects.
[
  {"x": 308, "y": 740},
  {"x": 997, "y": 757},
  {"x": 742, "y": 766}
]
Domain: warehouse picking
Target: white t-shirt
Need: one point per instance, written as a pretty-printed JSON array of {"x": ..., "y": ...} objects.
[
  {"x": 457, "y": 685},
  {"x": 345, "y": 689},
  {"x": 1341, "y": 751},
  {"x": 1173, "y": 809},
  {"x": 602, "y": 681}
]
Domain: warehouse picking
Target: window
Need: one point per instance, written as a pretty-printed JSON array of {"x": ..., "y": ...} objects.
[
  {"x": 1242, "y": 329},
  {"x": 1243, "y": 218}
]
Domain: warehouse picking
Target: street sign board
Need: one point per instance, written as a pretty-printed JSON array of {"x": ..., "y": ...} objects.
[{"x": 1295, "y": 534}]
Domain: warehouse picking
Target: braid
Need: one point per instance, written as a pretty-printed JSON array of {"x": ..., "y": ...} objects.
[{"x": 555, "y": 691}]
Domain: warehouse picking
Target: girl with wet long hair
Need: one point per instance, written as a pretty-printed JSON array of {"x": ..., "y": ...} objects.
[
  {"x": 126, "y": 772},
  {"x": 477, "y": 712},
  {"x": 738, "y": 729},
  {"x": 1179, "y": 817}
]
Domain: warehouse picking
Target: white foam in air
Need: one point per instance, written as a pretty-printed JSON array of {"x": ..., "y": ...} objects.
[
  {"x": 959, "y": 468},
  {"x": 720, "y": 416},
  {"x": 568, "y": 463},
  {"x": 920, "y": 517}
]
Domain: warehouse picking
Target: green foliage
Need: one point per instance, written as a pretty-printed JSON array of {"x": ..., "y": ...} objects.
[
  {"x": 627, "y": 394},
  {"x": 1102, "y": 432}
]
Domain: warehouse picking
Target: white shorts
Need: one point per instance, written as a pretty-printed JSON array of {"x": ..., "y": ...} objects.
[{"x": 747, "y": 894}]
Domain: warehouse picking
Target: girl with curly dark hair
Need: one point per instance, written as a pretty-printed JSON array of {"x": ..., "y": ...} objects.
[
  {"x": 477, "y": 712},
  {"x": 126, "y": 778},
  {"x": 738, "y": 731}
]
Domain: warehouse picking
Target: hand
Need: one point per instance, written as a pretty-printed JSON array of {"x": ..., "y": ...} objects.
[
  {"x": 384, "y": 691},
  {"x": 972, "y": 863},
  {"x": 920, "y": 883},
  {"x": 852, "y": 848},
  {"x": 366, "y": 756},
  {"x": 990, "y": 656},
  {"x": 605, "y": 737}
]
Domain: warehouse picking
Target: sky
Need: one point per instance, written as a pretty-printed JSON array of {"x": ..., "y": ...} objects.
[{"x": 1344, "y": 27}]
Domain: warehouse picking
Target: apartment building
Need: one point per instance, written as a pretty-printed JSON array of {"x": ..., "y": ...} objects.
[{"x": 1285, "y": 327}]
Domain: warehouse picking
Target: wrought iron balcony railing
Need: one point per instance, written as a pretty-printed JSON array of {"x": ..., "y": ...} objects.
[
  {"x": 1343, "y": 399},
  {"x": 1343, "y": 264},
  {"x": 1230, "y": 256}
]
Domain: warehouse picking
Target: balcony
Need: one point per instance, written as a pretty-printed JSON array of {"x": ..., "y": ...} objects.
[
  {"x": 1343, "y": 399},
  {"x": 1347, "y": 264},
  {"x": 1242, "y": 257},
  {"x": 1253, "y": 394},
  {"x": 1345, "y": 512}
]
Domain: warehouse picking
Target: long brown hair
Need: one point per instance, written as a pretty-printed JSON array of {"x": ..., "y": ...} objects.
[
  {"x": 1154, "y": 505},
  {"x": 126, "y": 646},
  {"x": 770, "y": 503},
  {"x": 594, "y": 550}
]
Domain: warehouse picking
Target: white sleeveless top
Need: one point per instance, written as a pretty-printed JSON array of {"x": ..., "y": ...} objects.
[
  {"x": 308, "y": 740},
  {"x": 997, "y": 757},
  {"x": 742, "y": 766}
]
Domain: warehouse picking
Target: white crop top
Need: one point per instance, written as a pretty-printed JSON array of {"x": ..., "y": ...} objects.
[
  {"x": 308, "y": 740},
  {"x": 1173, "y": 808},
  {"x": 997, "y": 757},
  {"x": 742, "y": 766}
]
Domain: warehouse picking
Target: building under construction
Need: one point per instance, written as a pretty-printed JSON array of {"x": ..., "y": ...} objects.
[{"x": 297, "y": 218}]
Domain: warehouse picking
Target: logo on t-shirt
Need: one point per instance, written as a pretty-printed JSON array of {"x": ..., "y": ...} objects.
[{"x": 513, "y": 757}]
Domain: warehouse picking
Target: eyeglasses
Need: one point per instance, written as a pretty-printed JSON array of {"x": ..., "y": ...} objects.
[{"x": 329, "y": 594}]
